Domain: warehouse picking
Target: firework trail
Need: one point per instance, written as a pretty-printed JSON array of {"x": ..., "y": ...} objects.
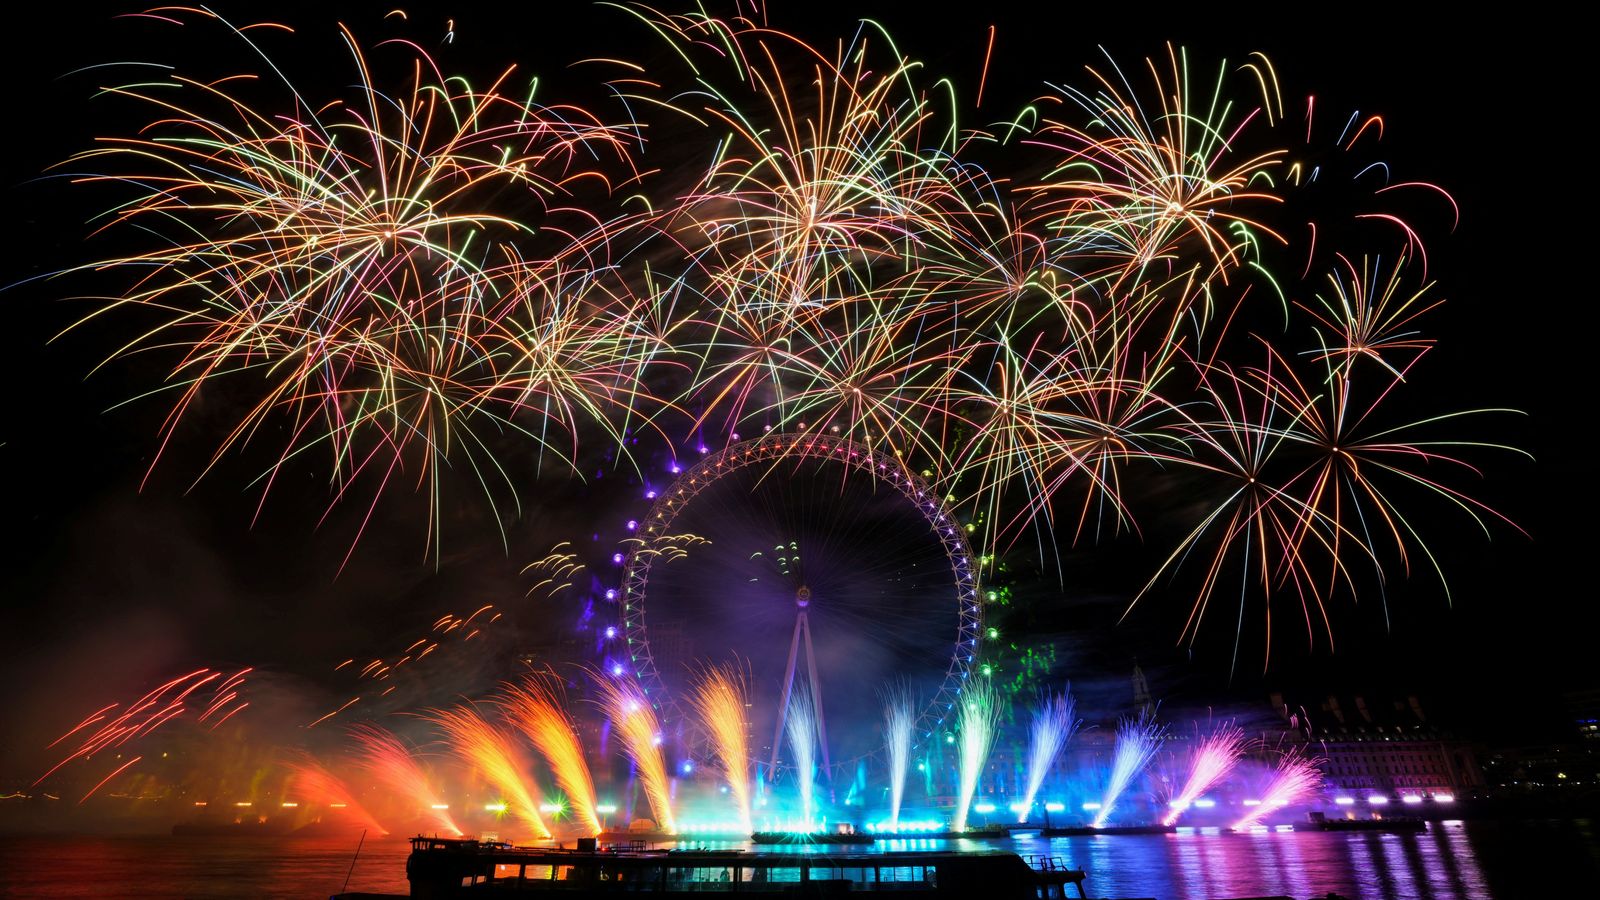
[
  {"x": 557, "y": 570},
  {"x": 1214, "y": 757},
  {"x": 900, "y": 722},
  {"x": 980, "y": 714},
  {"x": 801, "y": 724},
  {"x": 447, "y": 628},
  {"x": 635, "y": 722},
  {"x": 1054, "y": 721},
  {"x": 1295, "y": 779},
  {"x": 537, "y": 707},
  {"x": 1368, "y": 315},
  {"x": 1137, "y": 742},
  {"x": 720, "y": 699},
  {"x": 391, "y": 762},
  {"x": 488, "y": 752},
  {"x": 211, "y": 695},
  {"x": 102, "y": 782},
  {"x": 312, "y": 780}
]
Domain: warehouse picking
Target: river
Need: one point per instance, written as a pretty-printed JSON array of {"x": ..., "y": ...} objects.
[{"x": 1490, "y": 860}]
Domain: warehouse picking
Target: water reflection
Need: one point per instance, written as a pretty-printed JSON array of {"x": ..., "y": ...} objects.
[
  {"x": 1449, "y": 861},
  {"x": 1434, "y": 865},
  {"x": 1442, "y": 863}
]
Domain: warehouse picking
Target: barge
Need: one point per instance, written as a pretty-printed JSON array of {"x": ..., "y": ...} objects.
[
  {"x": 441, "y": 868},
  {"x": 1318, "y": 822}
]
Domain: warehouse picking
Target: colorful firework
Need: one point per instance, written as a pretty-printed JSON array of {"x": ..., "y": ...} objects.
[
  {"x": 634, "y": 720},
  {"x": 1294, "y": 779},
  {"x": 977, "y": 721},
  {"x": 383, "y": 756},
  {"x": 313, "y": 781},
  {"x": 720, "y": 698},
  {"x": 403, "y": 274},
  {"x": 336, "y": 261},
  {"x": 1212, "y": 759},
  {"x": 1054, "y": 721},
  {"x": 536, "y": 705},
  {"x": 801, "y": 724},
  {"x": 1137, "y": 741},
  {"x": 208, "y": 697},
  {"x": 900, "y": 722},
  {"x": 488, "y": 751}
]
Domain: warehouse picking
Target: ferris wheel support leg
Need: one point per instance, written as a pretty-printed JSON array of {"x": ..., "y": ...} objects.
[
  {"x": 816, "y": 692},
  {"x": 783, "y": 706}
]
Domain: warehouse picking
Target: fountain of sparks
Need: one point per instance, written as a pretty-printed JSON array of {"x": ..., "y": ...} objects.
[
  {"x": 900, "y": 721},
  {"x": 488, "y": 751},
  {"x": 1294, "y": 780},
  {"x": 1214, "y": 758},
  {"x": 1054, "y": 722},
  {"x": 537, "y": 708},
  {"x": 977, "y": 721},
  {"x": 635, "y": 722},
  {"x": 1137, "y": 741},
  {"x": 391, "y": 763},
  {"x": 311, "y": 779},
  {"x": 801, "y": 725},
  {"x": 719, "y": 699}
]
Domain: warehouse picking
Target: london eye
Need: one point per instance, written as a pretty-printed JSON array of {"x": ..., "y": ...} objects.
[{"x": 825, "y": 568}]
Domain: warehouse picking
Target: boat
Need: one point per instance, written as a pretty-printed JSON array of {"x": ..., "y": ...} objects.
[
  {"x": 1319, "y": 822},
  {"x": 441, "y": 868},
  {"x": 1089, "y": 830}
]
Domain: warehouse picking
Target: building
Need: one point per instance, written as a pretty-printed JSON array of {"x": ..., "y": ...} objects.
[
  {"x": 1583, "y": 711},
  {"x": 1383, "y": 749}
]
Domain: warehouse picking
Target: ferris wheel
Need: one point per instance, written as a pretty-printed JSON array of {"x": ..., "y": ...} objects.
[{"x": 824, "y": 567}]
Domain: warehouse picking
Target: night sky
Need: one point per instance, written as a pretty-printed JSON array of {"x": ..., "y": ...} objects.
[{"x": 108, "y": 587}]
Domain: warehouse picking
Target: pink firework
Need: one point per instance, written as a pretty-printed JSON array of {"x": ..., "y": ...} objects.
[
  {"x": 1295, "y": 779},
  {"x": 1213, "y": 759}
]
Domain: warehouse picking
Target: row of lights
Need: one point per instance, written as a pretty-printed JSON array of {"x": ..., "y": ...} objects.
[
  {"x": 606, "y": 808},
  {"x": 981, "y": 808},
  {"x": 1381, "y": 800}
]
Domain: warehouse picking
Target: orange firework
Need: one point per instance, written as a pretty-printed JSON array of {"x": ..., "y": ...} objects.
[
  {"x": 536, "y": 707},
  {"x": 313, "y": 781},
  {"x": 391, "y": 762},
  {"x": 636, "y": 723},
  {"x": 488, "y": 751},
  {"x": 720, "y": 700}
]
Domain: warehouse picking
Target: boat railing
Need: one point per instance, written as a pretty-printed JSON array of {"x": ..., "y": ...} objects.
[{"x": 1046, "y": 863}]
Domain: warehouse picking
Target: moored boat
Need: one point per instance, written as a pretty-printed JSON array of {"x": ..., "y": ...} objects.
[
  {"x": 446, "y": 868},
  {"x": 1317, "y": 822}
]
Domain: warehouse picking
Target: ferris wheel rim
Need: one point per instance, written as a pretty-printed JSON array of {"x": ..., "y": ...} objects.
[{"x": 775, "y": 448}]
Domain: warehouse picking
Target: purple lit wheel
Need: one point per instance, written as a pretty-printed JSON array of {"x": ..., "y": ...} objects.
[{"x": 814, "y": 526}]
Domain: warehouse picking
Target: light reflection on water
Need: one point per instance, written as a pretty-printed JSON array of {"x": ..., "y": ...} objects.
[{"x": 1450, "y": 861}]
